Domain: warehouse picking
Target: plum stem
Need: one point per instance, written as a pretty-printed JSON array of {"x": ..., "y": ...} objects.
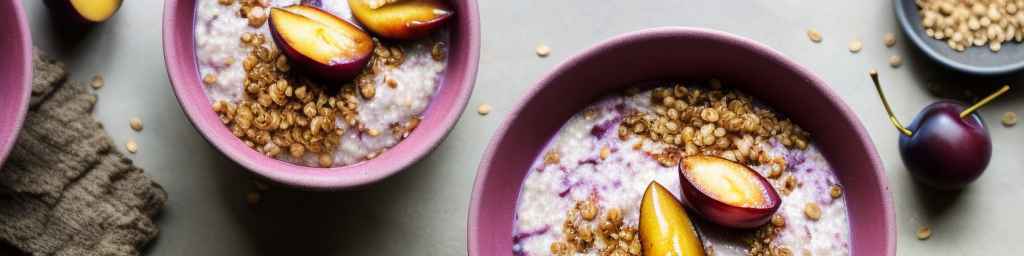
[
  {"x": 976, "y": 106},
  {"x": 892, "y": 117}
]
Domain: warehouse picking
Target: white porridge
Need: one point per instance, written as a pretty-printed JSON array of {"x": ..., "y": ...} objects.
[
  {"x": 597, "y": 158},
  {"x": 402, "y": 82}
]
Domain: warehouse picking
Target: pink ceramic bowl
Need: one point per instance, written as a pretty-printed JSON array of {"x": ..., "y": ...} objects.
[
  {"x": 680, "y": 53},
  {"x": 15, "y": 72},
  {"x": 439, "y": 118}
]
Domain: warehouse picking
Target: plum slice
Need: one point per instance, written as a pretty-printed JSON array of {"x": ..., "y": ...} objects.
[
  {"x": 403, "y": 20},
  {"x": 665, "y": 229},
  {"x": 84, "y": 11},
  {"x": 319, "y": 43},
  {"x": 727, "y": 193}
]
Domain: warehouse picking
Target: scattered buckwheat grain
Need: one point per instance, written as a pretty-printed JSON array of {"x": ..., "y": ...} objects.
[
  {"x": 543, "y": 50},
  {"x": 1009, "y": 119},
  {"x": 97, "y": 81},
  {"x": 855, "y": 46},
  {"x": 209, "y": 79},
  {"x": 813, "y": 211},
  {"x": 889, "y": 39},
  {"x": 483, "y": 109},
  {"x": 131, "y": 146},
  {"x": 923, "y": 233},
  {"x": 895, "y": 61},
  {"x": 814, "y": 35},
  {"x": 135, "y": 123}
]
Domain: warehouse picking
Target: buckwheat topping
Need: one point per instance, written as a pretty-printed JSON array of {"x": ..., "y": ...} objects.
[
  {"x": 374, "y": 4},
  {"x": 725, "y": 123},
  {"x": 582, "y": 232},
  {"x": 209, "y": 79},
  {"x": 438, "y": 51},
  {"x": 286, "y": 113},
  {"x": 895, "y": 61},
  {"x": 812, "y": 211},
  {"x": 778, "y": 220},
  {"x": 256, "y": 11},
  {"x": 283, "y": 111},
  {"x": 835, "y": 191},
  {"x": 483, "y": 109},
  {"x": 760, "y": 242}
]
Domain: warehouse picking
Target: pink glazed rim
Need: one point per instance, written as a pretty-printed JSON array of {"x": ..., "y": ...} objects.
[
  {"x": 438, "y": 120},
  {"x": 17, "y": 72},
  {"x": 680, "y": 53}
]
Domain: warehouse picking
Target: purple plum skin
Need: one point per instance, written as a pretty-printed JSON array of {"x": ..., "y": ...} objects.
[
  {"x": 345, "y": 70},
  {"x": 724, "y": 214},
  {"x": 946, "y": 152}
]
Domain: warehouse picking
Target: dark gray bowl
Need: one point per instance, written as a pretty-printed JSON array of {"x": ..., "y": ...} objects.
[{"x": 974, "y": 60}]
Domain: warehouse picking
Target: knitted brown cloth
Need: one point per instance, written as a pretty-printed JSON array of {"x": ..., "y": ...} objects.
[{"x": 64, "y": 189}]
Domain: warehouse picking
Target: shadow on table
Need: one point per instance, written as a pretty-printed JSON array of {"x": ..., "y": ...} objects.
[
  {"x": 947, "y": 83},
  {"x": 72, "y": 35},
  {"x": 289, "y": 221}
]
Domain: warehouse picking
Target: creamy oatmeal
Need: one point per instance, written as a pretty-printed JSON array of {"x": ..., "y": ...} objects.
[
  {"x": 582, "y": 195},
  {"x": 294, "y": 119}
]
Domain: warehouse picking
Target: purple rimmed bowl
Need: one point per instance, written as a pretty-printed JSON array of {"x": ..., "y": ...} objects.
[
  {"x": 445, "y": 107},
  {"x": 681, "y": 53},
  {"x": 15, "y": 73}
]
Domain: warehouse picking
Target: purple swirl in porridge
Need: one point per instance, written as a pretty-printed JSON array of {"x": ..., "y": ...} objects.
[
  {"x": 260, "y": 92},
  {"x": 582, "y": 194}
]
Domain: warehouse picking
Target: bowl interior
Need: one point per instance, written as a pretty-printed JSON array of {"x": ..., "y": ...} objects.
[
  {"x": 438, "y": 119},
  {"x": 975, "y": 60},
  {"x": 680, "y": 53},
  {"x": 15, "y": 71}
]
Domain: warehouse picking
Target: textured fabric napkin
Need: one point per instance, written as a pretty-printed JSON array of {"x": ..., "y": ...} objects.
[{"x": 65, "y": 190}]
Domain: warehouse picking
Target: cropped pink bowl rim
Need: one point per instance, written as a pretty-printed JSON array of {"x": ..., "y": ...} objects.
[
  {"x": 439, "y": 118},
  {"x": 16, "y": 70},
  {"x": 486, "y": 233}
]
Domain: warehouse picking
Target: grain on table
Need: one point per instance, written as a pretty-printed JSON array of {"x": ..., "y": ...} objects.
[{"x": 856, "y": 45}]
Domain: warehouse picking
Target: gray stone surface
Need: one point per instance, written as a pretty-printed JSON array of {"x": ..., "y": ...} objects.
[{"x": 423, "y": 211}]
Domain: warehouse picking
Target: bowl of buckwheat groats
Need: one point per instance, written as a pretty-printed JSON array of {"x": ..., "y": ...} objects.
[
  {"x": 981, "y": 37},
  {"x": 655, "y": 143},
  {"x": 322, "y": 94},
  {"x": 16, "y": 68}
]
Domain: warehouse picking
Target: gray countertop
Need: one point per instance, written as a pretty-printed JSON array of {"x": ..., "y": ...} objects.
[{"x": 422, "y": 211}]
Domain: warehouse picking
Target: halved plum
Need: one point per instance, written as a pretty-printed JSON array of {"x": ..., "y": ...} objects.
[
  {"x": 403, "y": 20},
  {"x": 319, "y": 43},
  {"x": 84, "y": 11},
  {"x": 665, "y": 229},
  {"x": 727, "y": 193}
]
